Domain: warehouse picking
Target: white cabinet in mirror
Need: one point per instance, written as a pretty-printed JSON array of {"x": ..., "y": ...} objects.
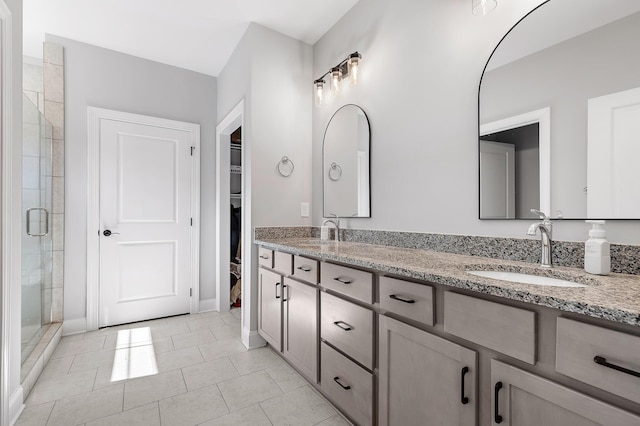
[
  {"x": 579, "y": 59},
  {"x": 345, "y": 164}
]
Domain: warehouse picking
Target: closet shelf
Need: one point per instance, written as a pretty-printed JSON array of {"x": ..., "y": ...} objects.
[
  {"x": 236, "y": 170},
  {"x": 236, "y": 146},
  {"x": 236, "y": 196}
]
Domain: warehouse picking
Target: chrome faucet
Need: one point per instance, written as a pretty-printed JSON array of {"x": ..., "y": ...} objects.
[
  {"x": 545, "y": 227},
  {"x": 336, "y": 223}
]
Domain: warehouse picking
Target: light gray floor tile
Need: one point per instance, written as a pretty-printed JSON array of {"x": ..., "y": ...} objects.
[
  {"x": 231, "y": 320},
  {"x": 148, "y": 415},
  {"x": 92, "y": 360},
  {"x": 236, "y": 313},
  {"x": 178, "y": 358},
  {"x": 194, "y": 338},
  {"x": 163, "y": 344},
  {"x": 165, "y": 330},
  {"x": 226, "y": 331},
  {"x": 193, "y": 407},
  {"x": 298, "y": 407},
  {"x": 221, "y": 348},
  {"x": 336, "y": 420},
  {"x": 56, "y": 368},
  {"x": 208, "y": 373},
  {"x": 286, "y": 377},
  {"x": 255, "y": 360},
  {"x": 86, "y": 407},
  {"x": 145, "y": 390},
  {"x": 75, "y": 347},
  {"x": 253, "y": 416},
  {"x": 36, "y": 415},
  {"x": 73, "y": 337},
  {"x": 205, "y": 323},
  {"x": 248, "y": 390},
  {"x": 61, "y": 387}
]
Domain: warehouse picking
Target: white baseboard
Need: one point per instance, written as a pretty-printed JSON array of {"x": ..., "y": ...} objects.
[
  {"x": 252, "y": 340},
  {"x": 16, "y": 406},
  {"x": 208, "y": 305},
  {"x": 74, "y": 326}
]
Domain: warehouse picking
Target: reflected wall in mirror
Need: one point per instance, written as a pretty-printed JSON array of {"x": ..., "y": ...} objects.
[
  {"x": 345, "y": 164},
  {"x": 579, "y": 58}
]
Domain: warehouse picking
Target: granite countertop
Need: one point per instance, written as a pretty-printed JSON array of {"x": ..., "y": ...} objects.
[{"x": 615, "y": 297}]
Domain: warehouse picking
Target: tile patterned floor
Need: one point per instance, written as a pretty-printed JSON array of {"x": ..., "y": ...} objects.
[{"x": 205, "y": 377}]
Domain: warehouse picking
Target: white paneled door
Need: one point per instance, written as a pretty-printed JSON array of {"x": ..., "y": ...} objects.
[{"x": 145, "y": 221}]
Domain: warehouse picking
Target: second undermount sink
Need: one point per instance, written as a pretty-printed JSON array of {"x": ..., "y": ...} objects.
[{"x": 526, "y": 278}]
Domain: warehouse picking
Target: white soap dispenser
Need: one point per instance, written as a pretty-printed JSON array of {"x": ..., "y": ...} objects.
[{"x": 597, "y": 258}]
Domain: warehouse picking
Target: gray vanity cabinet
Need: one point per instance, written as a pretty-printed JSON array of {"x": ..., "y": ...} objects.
[
  {"x": 300, "y": 327},
  {"x": 424, "y": 379},
  {"x": 270, "y": 307},
  {"x": 520, "y": 398}
]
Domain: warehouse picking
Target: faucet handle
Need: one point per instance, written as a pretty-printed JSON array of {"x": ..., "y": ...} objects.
[{"x": 542, "y": 215}]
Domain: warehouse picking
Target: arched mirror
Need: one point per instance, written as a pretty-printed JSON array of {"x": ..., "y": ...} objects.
[
  {"x": 345, "y": 164},
  {"x": 559, "y": 114}
]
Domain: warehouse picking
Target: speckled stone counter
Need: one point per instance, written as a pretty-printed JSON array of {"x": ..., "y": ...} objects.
[{"x": 615, "y": 297}]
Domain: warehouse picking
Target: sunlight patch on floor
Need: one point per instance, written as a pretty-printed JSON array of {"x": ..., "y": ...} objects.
[{"x": 134, "y": 356}]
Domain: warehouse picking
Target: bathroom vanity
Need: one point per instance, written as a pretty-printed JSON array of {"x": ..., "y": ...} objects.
[{"x": 401, "y": 336}]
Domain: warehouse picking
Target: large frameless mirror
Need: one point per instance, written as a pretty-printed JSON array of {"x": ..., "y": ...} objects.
[
  {"x": 345, "y": 164},
  {"x": 559, "y": 114}
]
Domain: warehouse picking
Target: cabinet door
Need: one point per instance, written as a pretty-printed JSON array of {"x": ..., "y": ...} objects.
[
  {"x": 424, "y": 379},
  {"x": 270, "y": 307},
  {"x": 519, "y": 398},
  {"x": 300, "y": 331}
]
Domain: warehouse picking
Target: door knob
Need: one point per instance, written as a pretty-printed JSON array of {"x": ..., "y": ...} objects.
[{"x": 107, "y": 233}]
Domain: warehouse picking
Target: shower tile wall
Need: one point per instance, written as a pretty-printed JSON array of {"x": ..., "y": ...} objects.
[{"x": 53, "y": 79}]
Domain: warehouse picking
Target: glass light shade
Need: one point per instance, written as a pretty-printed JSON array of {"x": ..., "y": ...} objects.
[
  {"x": 483, "y": 7},
  {"x": 354, "y": 68},
  {"x": 318, "y": 87},
  {"x": 336, "y": 75}
]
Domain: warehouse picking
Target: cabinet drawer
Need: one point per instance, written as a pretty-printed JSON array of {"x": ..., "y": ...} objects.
[
  {"x": 282, "y": 262},
  {"x": 505, "y": 329},
  {"x": 348, "y": 327},
  {"x": 348, "y": 386},
  {"x": 411, "y": 300},
  {"x": 348, "y": 281},
  {"x": 265, "y": 257},
  {"x": 578, "y": 345},
  {"x": 305, "y": 269}
]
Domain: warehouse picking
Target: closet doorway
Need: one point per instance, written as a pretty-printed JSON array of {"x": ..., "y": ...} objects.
[{"x": 232, "y": 213}]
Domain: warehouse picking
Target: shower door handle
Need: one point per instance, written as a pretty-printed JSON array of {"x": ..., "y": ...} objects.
[{"x": 46, "y": 222}]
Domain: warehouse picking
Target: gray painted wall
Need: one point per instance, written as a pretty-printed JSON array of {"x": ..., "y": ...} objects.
[
  {"x": 548, "y": 78},
  {"x": 272, "y": 73},
  {"x": 422, "y": 63},
  {"x": 103, "y": 78}
]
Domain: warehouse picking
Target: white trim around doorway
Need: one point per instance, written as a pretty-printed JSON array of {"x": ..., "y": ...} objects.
[{"x": 94, "y": 115}]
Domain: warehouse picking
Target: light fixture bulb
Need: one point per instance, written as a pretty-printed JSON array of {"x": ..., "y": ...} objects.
[
  {"x": 353, "y": 64},
  {"x": 319, "y": 92},
  {"x": 483, "y": 7},
  {"x": 336, "y": 75}
]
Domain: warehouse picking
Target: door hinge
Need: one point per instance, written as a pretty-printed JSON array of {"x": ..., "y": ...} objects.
[
  {"x": 191, "y": 221},
  {"x": 192, "y": 148},
  {"x": 190, "y": 292}
]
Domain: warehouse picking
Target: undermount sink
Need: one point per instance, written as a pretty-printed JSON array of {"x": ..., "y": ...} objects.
[{"x": 526, "y": 278}]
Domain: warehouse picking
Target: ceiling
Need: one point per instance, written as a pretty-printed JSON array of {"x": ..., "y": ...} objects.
[{"x": 198, "y": 35}]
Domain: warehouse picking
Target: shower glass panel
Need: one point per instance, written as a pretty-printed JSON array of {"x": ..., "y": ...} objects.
[{"x": 37, "y": 258}]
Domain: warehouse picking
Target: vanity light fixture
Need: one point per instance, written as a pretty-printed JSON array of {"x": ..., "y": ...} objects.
[
  {"x": 483, "y": 7},
  {"x": 349, "y": 67}
]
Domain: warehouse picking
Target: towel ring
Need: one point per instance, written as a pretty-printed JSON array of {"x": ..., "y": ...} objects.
[
  {"x": 288, "y": 164},
  {"x": 335, "y": 172}
]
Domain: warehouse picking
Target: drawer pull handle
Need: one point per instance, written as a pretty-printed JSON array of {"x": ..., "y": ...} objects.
[
  {"x": 337, "y": 380},
  {"x": 344, "y": 280},
  {"x": 497, "y": 417},
  {"x": 283, "y": 290},
  {"x": 463, "y": 399},
  {"x": 262, "y": 256},
  {"x": 345, "y": 327},
  {"x": 401, "y": 299},
  {"x": 304, "y": 268},
  {"x": 603, "y": 361},
  {"x": 277, "y": 297}
]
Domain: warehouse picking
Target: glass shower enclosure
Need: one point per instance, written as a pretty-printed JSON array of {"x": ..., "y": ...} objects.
[{"x": 37, "y": 245}]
